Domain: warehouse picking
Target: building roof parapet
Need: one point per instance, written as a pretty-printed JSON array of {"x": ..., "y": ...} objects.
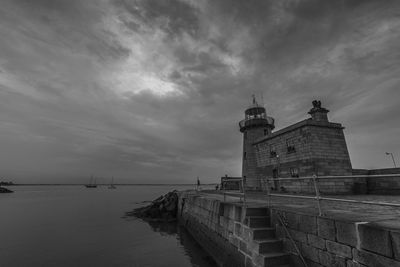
[{"x": 300, "y": 124}]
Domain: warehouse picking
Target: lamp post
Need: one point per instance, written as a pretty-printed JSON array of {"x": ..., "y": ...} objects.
[
  {"x": 277, "y": 182},
  {"x": 278, "y": 160},
  {"x": 391, "y": 154}
]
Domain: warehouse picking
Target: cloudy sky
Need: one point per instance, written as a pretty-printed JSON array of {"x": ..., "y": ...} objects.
[{"x": 151, "y": 91}]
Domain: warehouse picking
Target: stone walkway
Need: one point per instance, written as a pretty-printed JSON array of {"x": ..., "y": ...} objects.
[{"x": 384, "y": 215}]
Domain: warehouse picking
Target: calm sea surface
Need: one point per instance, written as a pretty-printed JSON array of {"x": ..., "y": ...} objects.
[{"x": 76, "y": 226}]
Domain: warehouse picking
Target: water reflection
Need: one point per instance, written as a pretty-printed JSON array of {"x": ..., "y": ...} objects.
[
  {"x": 164, "y": 228},
  {"x": 198, "y": 256}
]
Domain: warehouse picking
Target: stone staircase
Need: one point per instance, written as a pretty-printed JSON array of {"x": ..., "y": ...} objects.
[{"x": 265, "y": 249}]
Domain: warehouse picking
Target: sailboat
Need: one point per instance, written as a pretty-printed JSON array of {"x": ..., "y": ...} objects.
[
  {"x": 112, "y": 186},
  {"x": 92, "y": 183}
]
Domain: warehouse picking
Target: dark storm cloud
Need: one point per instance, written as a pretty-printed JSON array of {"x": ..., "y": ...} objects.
[
  {"x": 175, "y": 16},
  {"x": 151, "y": 91},
  {"x": 73, "y": 24}
]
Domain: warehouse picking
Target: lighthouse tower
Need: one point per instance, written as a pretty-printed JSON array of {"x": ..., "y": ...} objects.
[{"x": 255, "y": 125}]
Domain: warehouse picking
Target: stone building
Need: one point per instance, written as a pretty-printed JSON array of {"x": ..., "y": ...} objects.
[{"x": 314, "y": 146}]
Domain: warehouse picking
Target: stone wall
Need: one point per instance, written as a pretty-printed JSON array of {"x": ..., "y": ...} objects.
[
  {"x": 299, "y": 138},
  {"x": 380, "y": 185},
  {"x": 386, "y": 185},
  {"x": 211, "y": 223},
  {"x": 225, "y": 231},
  {"x": 325, "y": 186},
  {"x": 229, "y": 233},
  {"x": 328, "y": 144},
  {"x": 318, "y": 148},
  {"x": 340, "y": 242},
  {"x": 249, "y": 157}
]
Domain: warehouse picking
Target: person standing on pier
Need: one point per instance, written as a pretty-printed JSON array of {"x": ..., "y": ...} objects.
[{"x": 198, "y": 184}]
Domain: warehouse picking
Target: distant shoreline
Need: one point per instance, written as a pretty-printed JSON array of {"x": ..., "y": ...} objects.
[{"x": 109, "y": 184}]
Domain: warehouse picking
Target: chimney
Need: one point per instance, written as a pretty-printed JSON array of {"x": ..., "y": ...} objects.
[{"x": 318, "y": 113}]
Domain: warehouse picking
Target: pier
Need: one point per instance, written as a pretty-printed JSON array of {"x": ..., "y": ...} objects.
[{"x": 290, "y": 232}]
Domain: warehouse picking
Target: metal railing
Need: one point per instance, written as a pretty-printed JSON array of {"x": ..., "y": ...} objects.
[
  {"x": 284, "y": 223},
  {"x": 256, "y": 120},
  {"x": 241, "y": 193},
  {"x": 317, "y": 196}
]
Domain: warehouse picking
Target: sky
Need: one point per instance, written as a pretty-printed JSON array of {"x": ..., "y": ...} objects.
[{"x": 151, "y": 91}]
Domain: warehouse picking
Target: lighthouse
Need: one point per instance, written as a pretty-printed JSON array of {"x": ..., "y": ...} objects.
[{"x": 255, "y": 125}]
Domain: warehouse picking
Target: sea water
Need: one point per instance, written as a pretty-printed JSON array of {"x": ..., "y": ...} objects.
[{"x": 77, "y": 226}]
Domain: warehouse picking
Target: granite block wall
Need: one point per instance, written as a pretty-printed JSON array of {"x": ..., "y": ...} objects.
[
  {"x": 249, "y": 157},
  {"x": 387, "y": 185},
  {"x": 381, "y": 185},
  {"x": 341, "y": 242},
  {"x": 212, "y": 224},
  {"x": 220, "y": 229},
  {"x": 318, "y": 148},
  {"x": 329, "y": 145}
]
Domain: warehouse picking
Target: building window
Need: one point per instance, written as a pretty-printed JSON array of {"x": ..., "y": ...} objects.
[
  {"x": 244, "y": 155},
  {"x": 290, "y": 145},
  {"x": 272, "y": 151},
  {"x": 265, "y": 131},
  {"x": 294, "y": 172}
]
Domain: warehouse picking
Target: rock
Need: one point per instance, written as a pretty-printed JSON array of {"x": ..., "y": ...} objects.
[
  {"x": 5, "y": 190},
  {"x": 164, "y": 208}
]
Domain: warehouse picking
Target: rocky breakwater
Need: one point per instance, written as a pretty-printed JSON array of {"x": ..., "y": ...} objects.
[
  {"x": 163, "y": 209},
  {"x": 5, "y": 190}
]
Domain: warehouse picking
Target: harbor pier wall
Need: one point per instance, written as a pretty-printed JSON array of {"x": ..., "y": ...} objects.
[
  {"x": 235, "y": 235},
  {"x": 343, "y": 240},
  {"x": 231, "y": 234},
  {"x": 373, "y": 184},
  {"x": 211, "y": 223}
]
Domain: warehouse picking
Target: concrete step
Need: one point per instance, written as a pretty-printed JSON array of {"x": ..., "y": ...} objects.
[
  {"x": 269, "y": 245},
  {"x": 257, "y": 221},
  {"x": 257, "y": 212},
  {"x": 275, "y": 259},
  {"x": 263, "y": 233}
]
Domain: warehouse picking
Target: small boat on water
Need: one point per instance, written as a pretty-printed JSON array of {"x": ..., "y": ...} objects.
[
  {"x": 112, "y": 186},
  {"x": 92, "y": 183}
]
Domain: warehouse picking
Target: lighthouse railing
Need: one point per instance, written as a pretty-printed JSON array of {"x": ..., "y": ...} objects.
[{"x": 255, "y": 120}]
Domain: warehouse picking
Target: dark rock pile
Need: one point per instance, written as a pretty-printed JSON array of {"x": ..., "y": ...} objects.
[
  {"x": 5, "y": 190},
  {"x": 163, "y": 209}
]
